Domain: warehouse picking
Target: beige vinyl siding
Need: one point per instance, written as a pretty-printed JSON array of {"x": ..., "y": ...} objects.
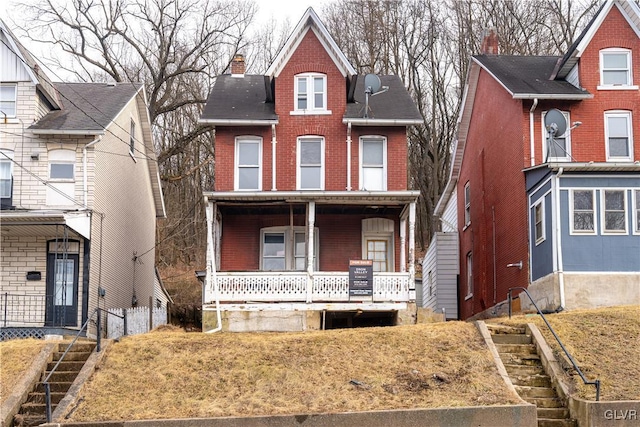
[{"x": 123, "y": 202}]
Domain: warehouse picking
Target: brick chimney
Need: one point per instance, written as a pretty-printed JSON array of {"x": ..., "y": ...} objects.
[
  {"x": 489, "y": 42},
  {"x": 237, "y": 65}
]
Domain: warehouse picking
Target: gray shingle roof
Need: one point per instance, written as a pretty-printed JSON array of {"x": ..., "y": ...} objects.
[
  {"x": 87, "y": 107},
  {"x": 238, "y": 99},
  {"x": 393, "y": 105},
  {"x": 529, "y": 76}
]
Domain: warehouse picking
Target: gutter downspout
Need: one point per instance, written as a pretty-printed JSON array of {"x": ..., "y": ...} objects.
[
  {"x": 210, "y": 282},
  {"x": 559, "y": 240},
  {"x": 273, "y": 157},
  {"x": 85, "y": 188},
  {"x": 531, "y": 132},
  {"x": 349, "y": 156}
]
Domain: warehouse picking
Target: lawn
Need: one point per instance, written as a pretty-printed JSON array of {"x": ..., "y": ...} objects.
[{"x": 15, "y": 358}]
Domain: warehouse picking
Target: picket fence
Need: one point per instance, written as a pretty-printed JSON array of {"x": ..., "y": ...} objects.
[{"x": 137, "y": 320}]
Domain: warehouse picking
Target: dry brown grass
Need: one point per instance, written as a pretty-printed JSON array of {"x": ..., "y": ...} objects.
[
  {"x": 175, "y": 374},
  {"x": 15, "y": 358},
  {"x": 605, "y": 343}
]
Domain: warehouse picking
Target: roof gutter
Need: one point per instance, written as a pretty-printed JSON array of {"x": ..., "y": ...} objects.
[
  {"x": 237, "y": 122},
  {"x": 65, "y": 132},
  {"x": 557, "y": 96},
  {"x": 381, "y": 122}
]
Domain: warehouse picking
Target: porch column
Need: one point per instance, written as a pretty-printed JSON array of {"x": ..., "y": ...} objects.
[
  {"x": 210, "y": 281},
  {"x": 403, "y": 243},
  {"x": 311, "y": 219},
  {"x": 412, "y": 242}
]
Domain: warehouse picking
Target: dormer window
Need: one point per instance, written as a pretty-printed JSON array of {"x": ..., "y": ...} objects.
[
  {"x": 310, "y": 94},
  {"x": 615, "y": 69}
]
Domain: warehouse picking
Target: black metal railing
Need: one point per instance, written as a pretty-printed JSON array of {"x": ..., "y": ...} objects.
[
  {"x": 596, "y": 382},
  {"x": 23, "y": 309},
  {"x": 98, "y": 313}
]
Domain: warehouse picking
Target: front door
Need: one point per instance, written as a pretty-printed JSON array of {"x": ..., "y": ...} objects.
[
  {"x": 377, "y": 251},
  {"x": 62, "y": 289}
]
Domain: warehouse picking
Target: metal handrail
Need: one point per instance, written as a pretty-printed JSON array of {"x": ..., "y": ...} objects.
[
  {"x": 45, "y": 383},
  {"x": 596, "y": 382}
]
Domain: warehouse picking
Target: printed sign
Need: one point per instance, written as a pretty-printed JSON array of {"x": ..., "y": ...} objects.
[{"x": 360, "y": 278}]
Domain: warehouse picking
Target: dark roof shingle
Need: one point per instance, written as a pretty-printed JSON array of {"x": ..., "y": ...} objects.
[{"x": 239, "y": 98}]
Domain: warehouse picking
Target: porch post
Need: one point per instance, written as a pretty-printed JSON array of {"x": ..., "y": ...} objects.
[
  {"x": 311, "y": 219},
  {"x": 210, "y": 282},
  {"x": 403, "y": 243},
  {"x": 412, "y": 243}
]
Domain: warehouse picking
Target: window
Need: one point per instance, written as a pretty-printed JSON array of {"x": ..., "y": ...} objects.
[
  {"x": 619, "y": 140},
  {"x": 583, "y": 217},
  {"x": 614, "y": 218},
  {"x": 61, "y": 188},
  {"x": 378, "y": 243},
  {"x": 310, "y": 173},
  {"x": 285, "y": 249},
  {"x": 557, "y": 149},
  {"x": 311, "y": 93},
  {"x": 430, "y": 283},
  {"x": 373, "y": 163},
  {"x": 377, "y": 252},
  {"x": 538, "y": 219},
  {"x": 467, "y": 204},
  {"x": 6, "y": 177},
  {"x": 248, "y": 174},
  {"x": 8, "y": 100},
  {"x": 132, "y": 138},
  {"x": 636, "y": 211},
  {"x": 469, "y": 276},
  {"x": 615, "y": 68}
]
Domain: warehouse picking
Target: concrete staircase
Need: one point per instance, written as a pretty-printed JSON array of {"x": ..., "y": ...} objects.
[
  {"x": 33, "y": 411},
  {"x": 522, "y": 362}
]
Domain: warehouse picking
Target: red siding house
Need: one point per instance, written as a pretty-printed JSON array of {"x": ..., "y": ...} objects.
[
  {"x": 547, "y": 173},
  {"x": 311, "y": 174}
]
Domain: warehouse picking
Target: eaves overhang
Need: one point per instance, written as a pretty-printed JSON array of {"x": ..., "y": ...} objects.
[
  {"x": 588, "y": 166},
  {"x": 552, "y": 96},
  {"x": 381, "y": 122},
  {"x": 65, "y": 132},
  {"x": 238, "y": 122},
  {"x": 388, "y": 198}
]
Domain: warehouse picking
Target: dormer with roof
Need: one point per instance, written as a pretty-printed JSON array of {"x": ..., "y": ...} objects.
[
  {"x": 307, "y": 181},
  {"x": 79, "y": 181},
  {"x": 559, "y": 213}
]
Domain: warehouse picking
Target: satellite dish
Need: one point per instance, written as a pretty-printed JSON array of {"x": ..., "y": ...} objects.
[
  {"x": 372, "y": 83},
  {"x": 555, "y": 123}
]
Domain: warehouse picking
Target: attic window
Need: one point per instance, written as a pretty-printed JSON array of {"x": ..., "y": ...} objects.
[
  {"x": 8, "y": 94},
  {"x": 615, "y": 69},
  {"x": 310, "y": 95}
]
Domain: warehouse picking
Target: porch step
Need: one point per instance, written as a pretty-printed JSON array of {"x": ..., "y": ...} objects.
[
  {"x": 522, "y": 363},
  {"x": 33, "y": 411}
]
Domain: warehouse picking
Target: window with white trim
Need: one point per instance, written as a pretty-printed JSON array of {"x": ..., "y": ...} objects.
[
  {"x": 6, "y": 177},
  {"x": 248, "y": 164},
  {"x": 538, "y": 221},
  {"x": 467, "y": 204},
  {"x": 132, "y": 138},
  {"x": 285, "y": 249},
  {"x": 310, "y": 92},
  {"x": 61, "y": 183},
  {"x": 614, "y": 206},
  {"x": 636, "y": 211},
  {"x": 615, "y": 68},
  {"x": 618, "y": 135},
  {"x": 310, "y": 170},
  {"x": 8, "y": 100},
  {"x": 469, "y": 275},
  {"x": 557, "y": 149},
  {"x": 373, "y": 163},
  {"x": 582, "y": 211}
]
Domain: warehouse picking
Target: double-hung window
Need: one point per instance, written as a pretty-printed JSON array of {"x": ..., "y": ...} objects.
[
  {"x": 538, "y": 220},
  {"x": 467, "y": 204},
  {"x": 618, "y": 135},
  {"x": 615, "y": 69},
  {"x": 6, "y": 177},
  {"x": 636, "y": 211},
  {"x": 614, "y": 218},
  {"x": 310, "y": 170},
  {"x": 8, "y": 100},
  {"x": 373, "y": 163},
  {"x": 583, "y": 212},
  {"x": 469, "y": 276},
  {"x": 310, "y": 93},
  {"x": 558, "y": 148},
  {"x": 132, "y": 138},
  {"x": 248, "y": 173},
  {"x": 61, "y": 188},
  {"x": 284, "y": 248}
]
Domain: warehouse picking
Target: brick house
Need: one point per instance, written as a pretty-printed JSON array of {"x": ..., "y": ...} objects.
[
  {"x": 80, "y": 195},
  {"x": 308, "y": 179},
  {"x": 554, "y": 210}
]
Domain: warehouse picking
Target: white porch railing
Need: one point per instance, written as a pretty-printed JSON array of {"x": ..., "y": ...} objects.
[{"x": 292, "y": 287}]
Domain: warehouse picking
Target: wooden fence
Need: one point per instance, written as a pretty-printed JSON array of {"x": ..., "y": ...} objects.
[{"x": 138, "y": 320}]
